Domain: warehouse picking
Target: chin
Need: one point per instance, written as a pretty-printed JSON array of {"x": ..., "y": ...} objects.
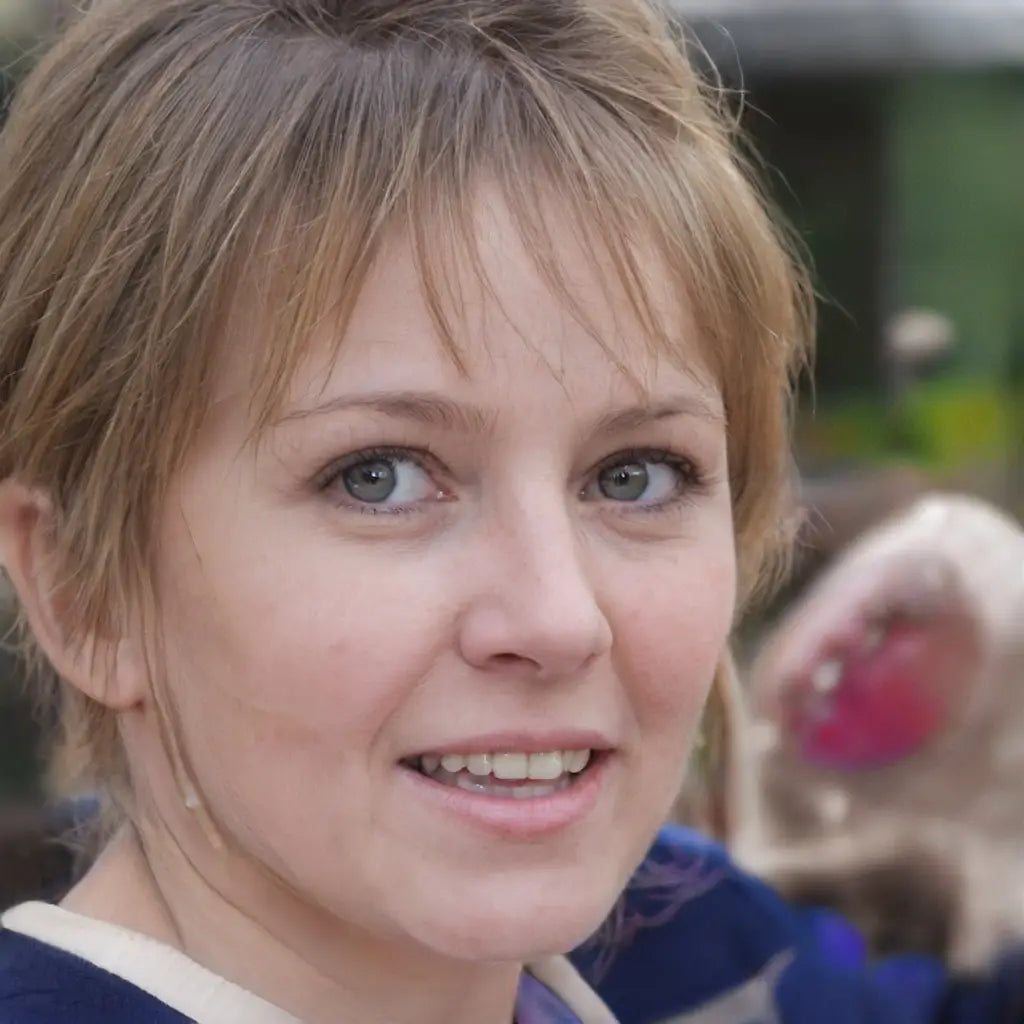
[{"x": 516, "y": 923}]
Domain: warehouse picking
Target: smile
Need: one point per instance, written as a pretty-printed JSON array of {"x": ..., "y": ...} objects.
[{"x": 508, "y": 774}]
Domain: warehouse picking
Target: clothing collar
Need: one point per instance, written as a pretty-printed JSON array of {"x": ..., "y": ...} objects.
[{"x": 551, "y": 992}]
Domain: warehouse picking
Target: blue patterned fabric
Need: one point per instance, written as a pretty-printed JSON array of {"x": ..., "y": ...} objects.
[{"x": 735, "y": 953}]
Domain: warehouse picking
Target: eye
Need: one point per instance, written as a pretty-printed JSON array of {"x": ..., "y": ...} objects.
[
  {"x": 381, "y": 478},
  {"x": 651, "y": 479}
]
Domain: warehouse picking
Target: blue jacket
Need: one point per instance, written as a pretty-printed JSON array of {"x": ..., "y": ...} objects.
[{"x": 735, "y": 953}]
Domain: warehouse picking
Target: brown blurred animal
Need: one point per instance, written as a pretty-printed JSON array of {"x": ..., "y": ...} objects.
[{"x": 888, "y": 735}]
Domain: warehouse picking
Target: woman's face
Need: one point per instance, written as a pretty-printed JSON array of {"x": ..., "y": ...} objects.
[{"x": 440, "y": 641}]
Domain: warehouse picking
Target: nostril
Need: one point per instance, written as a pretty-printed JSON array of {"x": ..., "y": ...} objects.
[{"x": 509, "y": 659}]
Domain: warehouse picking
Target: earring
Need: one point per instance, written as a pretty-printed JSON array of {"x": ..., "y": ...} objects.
[{"x": 191, "y": 797}]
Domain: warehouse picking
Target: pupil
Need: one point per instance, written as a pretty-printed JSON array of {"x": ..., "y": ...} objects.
[
  {"x": 624, "y": 483},
  {"x": 371, "y": 481}
]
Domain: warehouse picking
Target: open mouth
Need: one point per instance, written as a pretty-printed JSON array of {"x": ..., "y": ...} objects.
[{"x": 513, "y": 775}]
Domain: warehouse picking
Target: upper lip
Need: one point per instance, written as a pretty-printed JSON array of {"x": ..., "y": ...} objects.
[{"x": 522, "y": 741}]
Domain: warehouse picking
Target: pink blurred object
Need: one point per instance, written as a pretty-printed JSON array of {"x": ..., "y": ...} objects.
[
  {"x": 880, "y": 658},
  {"x": 874, "y": 702},
  {"x": 888, "y": 729}
]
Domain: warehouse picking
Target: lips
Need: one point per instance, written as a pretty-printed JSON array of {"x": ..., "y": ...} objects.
[{"x": 519, "y": 809}]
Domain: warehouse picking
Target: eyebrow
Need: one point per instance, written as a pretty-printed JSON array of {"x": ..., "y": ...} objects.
[
  {"x": 691, "y": 406},
  {"x": 429, "y": 409},
  {"x": 426, "y": 408}
]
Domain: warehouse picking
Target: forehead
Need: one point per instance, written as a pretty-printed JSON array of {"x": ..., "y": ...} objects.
[{"x": 559, "y": 323}]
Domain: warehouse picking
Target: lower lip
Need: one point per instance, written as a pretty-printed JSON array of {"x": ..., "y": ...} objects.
[{"x": 513, "y": 818}]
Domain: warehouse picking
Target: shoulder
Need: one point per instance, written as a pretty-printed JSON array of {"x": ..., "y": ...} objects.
[{"x": 40, "y": 984}]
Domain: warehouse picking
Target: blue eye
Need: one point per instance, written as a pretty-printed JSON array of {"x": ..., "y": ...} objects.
[
  {"x": 371, "y": 482},
  {"x": 650, "y": 478},
  {"x": 386, "y": 479}
]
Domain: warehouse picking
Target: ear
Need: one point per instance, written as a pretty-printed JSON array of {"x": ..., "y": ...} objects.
[{"x": 107, "y": 669}]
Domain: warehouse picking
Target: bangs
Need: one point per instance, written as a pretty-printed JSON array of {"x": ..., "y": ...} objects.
[
  {"x": 315, "y": 255},
  {"x": 646, "y": 184}
]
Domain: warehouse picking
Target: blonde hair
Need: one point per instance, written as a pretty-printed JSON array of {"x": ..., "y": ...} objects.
[{"x": 166, "y": 153}]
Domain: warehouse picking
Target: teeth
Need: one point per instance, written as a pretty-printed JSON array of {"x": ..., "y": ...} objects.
[
  {"x": 476, "y": 785},
  {"x": 545, "y": 766},
  {"x": 508, "y": 766},
  {"x": 575, "y": 761},
  {"x": 511, "y": 766},
  {"x": 479, "y": 764}
]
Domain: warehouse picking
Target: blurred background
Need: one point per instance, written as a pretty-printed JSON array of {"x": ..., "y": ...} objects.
[{"x": 892, "y": 133}]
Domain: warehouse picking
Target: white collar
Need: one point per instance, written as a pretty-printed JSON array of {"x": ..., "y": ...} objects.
[
  {"x": 169, "y": 976},
  {"x": 165, "y": 973}
]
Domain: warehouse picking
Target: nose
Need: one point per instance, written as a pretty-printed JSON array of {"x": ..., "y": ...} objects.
[{"x": 533, "y": 606}]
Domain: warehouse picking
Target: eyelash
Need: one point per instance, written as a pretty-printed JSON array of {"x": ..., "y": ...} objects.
[
  {"x": 332, "y": 474},
  {"x": 692, "y": 480}
]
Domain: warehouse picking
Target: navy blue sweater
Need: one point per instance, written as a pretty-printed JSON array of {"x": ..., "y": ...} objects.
[{"x": 43, "y": 985}]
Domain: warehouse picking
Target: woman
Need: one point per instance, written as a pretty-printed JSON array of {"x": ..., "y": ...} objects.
[{"x": 393, "y": 419}]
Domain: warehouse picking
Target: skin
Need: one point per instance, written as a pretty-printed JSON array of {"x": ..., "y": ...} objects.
[{"x": 310, "y": 646}]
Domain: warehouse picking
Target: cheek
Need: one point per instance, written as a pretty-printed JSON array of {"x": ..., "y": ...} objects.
[
  {"x": 281, "y": 674},
  {"x": 308, "y": 645},
  {"x": 672, "y": 635}
]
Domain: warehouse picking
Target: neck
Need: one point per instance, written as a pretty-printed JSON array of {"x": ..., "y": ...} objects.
[{"x": 251, "y": 930}]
